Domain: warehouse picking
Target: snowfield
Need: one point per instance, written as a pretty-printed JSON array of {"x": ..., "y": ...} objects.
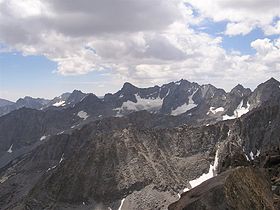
[
  {"x": 149, "y": 104},
  {"x": 211, "y": 173},
  {"x": 185, "y": 107},
  {"x": 238, "y": 112},
  {"x": 60, "y": 103},
  {"x": 214, "y": 110},
  {"x": 82, "y": 115}
]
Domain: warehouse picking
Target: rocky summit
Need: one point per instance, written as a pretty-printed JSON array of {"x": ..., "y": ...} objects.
[{"x": 177, "y": 146}]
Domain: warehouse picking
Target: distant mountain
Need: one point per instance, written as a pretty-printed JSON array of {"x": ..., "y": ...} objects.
[
  {"x": 197, "y": 102},
  {"x": 267, "y": 93},
  {"x": 58, "y": 101},
  {"x": 4, "y": 102},
  {"x": 63, "y": 101},
  {"x": 28, "y": 102}
]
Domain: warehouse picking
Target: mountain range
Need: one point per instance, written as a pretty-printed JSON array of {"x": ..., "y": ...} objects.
[{"x": 141, "y": 148}]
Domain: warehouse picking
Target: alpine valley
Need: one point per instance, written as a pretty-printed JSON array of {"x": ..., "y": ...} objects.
[{"x": 178, "y": 146}]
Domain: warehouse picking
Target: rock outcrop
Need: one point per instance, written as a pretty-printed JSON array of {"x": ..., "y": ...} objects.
[{"x": 236, "y": 189}]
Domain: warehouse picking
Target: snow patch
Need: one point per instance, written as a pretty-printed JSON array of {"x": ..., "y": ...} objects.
[
  {"x": 228, "y": 133},
  {"x": 238, "y": 112},
  {"x": 10, "y": 149},
  {"x": 43, "y": 138},
  {"x": 120, "y": 208},
  {"x": 214, "y": 110},
  {"x": 149, "y": 104},
  {"x": 211, "y": 173},
  {"x": 252, "y": 155},
  {"x": 203, "y": 177},
  {"x": 62, "y": 158},
  {"x": 226, "y": 117},
  {"x": 185, "y": 107},
  {"x": 83, "y": 115},
  {"x": 241, "y": 110},
  {"x": 51, "y": 168},
  {"x": 3, "y": 179},
  {"x": 186, "y": 189},
  {"x": 258, "y": 153},
  {"x": 216, "y": 161},
  {"x": 60, "y": 103}
]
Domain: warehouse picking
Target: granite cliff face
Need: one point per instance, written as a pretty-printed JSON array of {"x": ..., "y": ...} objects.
[{"x": 100, "y": 153}]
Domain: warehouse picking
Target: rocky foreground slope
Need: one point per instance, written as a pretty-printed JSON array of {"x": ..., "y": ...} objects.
[{"x": 236, "y": 189}]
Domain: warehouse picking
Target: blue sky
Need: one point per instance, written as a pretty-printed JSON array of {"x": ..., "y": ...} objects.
[
  {"x": 31, "y": 75},
  {"x": 50, "y": 57},
  {"x": 241, "y": 43}
]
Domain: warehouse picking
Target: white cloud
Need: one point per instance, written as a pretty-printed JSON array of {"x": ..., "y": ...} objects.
[
  {"x": 243, "y": 15},
  {"x": 145, "y": 42},
  {"x": 239, "y": 28},
  {"x": 272, "y": 29}
]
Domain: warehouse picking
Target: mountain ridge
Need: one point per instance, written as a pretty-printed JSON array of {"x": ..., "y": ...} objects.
[{"x": 142, "y": 145}]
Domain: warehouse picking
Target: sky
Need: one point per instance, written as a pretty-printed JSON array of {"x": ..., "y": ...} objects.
[{"x": 55, "y": 46}]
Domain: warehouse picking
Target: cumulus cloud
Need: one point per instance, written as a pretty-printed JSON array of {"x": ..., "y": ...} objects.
[
  {"x": 145, "y": 42},
  {"x": 243, "y": 15}
]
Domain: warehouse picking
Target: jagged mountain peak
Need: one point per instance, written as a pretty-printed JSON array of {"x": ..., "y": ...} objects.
[
  {"x": 238, "y": 87},
  {"x": 267, "y": 93},
  {"x": 76, "y": 91},
  {"x": 64, "y": 95},
  {"x": 182, "y": 82},
  {"x": 271, "y": 83},
  {"x": 128, "y": 87},
  {"x": 240, "y": 90},
  {"x": 272, "y": 80},
  {"x": 75, "y": 97},
  {"x": 90, "y": 98}
]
